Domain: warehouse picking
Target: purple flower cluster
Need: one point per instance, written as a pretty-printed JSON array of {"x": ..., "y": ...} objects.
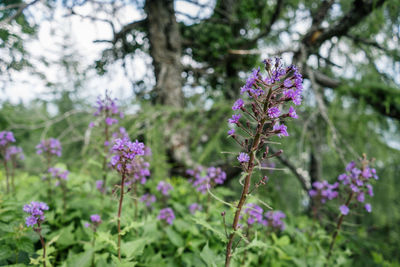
[
  {"x": 108, "y": 108},
  {"x": 167, "y": 215},
  {"x": 96, "y": 221},
  {"x": 49, "y": 147},
  {"x": 6, "y": 138},
  {"x": 274, "y": 219},
  {"x": 164, "y": 188},
  {"x": 138, "y": 171},
  {"x": 195, "y": 207},
  {"x": 148, "y": 199},
  {"x": 271, "y": 219},
  {"x": 323, "y": 191},
  {"x": 36, "y": 212},
  {"x": 268, "y": 96},
  {"x": 58, "y": 174},
  {"x": 358, "y": 182},
  {"x": 125, "y": 152},
  {"x": 14, "y": 152},
  {"x": 203, "y": 179}
]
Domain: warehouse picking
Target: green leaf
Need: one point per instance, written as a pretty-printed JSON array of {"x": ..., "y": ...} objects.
[
  {"x": 208, "y": 226},
  {"x": 174, "y": 237},
  {"x": 208, "y": 256},
  {"x": 133, "y": 248}
]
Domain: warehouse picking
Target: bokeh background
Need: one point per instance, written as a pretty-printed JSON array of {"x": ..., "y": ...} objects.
[{"x": 176, "y": 67}]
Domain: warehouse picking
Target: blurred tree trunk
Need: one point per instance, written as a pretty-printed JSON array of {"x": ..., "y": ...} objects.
[{"x": 166, "y": 51}]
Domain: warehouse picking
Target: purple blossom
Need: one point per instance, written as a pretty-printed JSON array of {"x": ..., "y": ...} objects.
[
  {"x": 110, "y": 121},
  {"x": 235, "y": 118},
  {"x": 344, "y": 210},
  {"x": 124, "y": 152},
  {"x": 6, "y": 138},
  {"x": 243, "y": 157},
  {"x": 280, "y": 129},
  {"x": 273, "y": 112},
  {"x": 288, "y": 83},
  {"x": 274, "y": 220},
  {"x": 95, "y": 218},
  {"x": 324, "y": 191},
  {"x": 368, "y": 207},
  {"x": 58, "y": 173},
  {"x": 35, "y": 210},
  {"x": 251, "y": 81},
  {"x": 148, "y": 199},
  {"x": 167, "y": 215},
  {"x": 203, "y": 179},
  {"x": 91, "y": 124},
  {"x": 292, "y": 113},
  {"x": 254, "y": 214},
  {"x": 231, "y": 132},
  {"x": 195, "y": 207},
  {"x": 49, "y": 147},
  {"x": 164, "y": 188},
  {"x": 106, "y": 106},
  {"x": 13, "y": 152},
  {"x": 238, "y": 104}
]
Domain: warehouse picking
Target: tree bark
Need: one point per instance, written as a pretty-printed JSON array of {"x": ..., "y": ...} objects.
[{"x": 166, "y": 51}]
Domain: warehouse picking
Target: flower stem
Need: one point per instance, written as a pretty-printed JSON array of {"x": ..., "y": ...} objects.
[
  {"x": 245, "y": 191},
  {"x": 6, "y": 169},
  {"x": 119, "y": 214},
  {"x": 339, "y": 224},
  {"x": 38, "y": 230}
]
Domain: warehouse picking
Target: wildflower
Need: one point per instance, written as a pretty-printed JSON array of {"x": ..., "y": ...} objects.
[
  {"x": 235, "y": 119},
  {"x": 292, "y": 113},
  {"x": 323, "y": 191},
  {"x": 344, "y": 210},
  {"x": 238, "y": 104},
  {"x": 167, "y": 215},
  {"x": 164, "y": 188},
  {"x": 13, "y": 152},
  {"x": 368, "y": 207},
  {"x": 254, "y": 214},
  {"x": 99, "y": 186},
  {"x": 124, "y": 152},
  {"x": 49, "y": 147},
  {"x": 231, "y": 132},
  {"x": 6, "y": 138},
  {"x": 243, "y": 157},
  {"x": 280, "y": 129},
  {"x": 36, "y": 212},
  {"x": 274, "y": 112},
  {"x": 274, "y": 220},
  {"x": 195, "y": 207}
]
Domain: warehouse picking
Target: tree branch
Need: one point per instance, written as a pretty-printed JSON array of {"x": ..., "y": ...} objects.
[{"x": 19, "y": 12}]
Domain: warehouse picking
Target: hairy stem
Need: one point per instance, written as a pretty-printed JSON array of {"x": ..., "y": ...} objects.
[
  {"x": 119, "y": 214},
  {"x": 106, "y": 140},
  {"x": 43, "y": 243},
  {"x": 244, "y": 194}
]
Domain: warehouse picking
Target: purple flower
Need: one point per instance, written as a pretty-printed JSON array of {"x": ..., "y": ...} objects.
[
  {"x": 148, "y": 199},
  {"x": 274, "y": 219},
  {"x": 350, "y": 166},
  {"x": 254, "y": 214},
  {"x": 6, "y": 138},
  {"x": 324, "y": 191},
  {"x": 250, "y": 81},
  {"x": 292, "y": 113},
  {"x": 167, "y": 215},
  {"x": 344, "y": 210},
  {"x": 288, "y": 83},
  {"x": 164, "y": 188},
  {"x": 35, "y": 210},
  {"x": 58, "y": 173},
  {"x": 243, "y": 157},
  {"x": 361, "y": 197},
  {"x": 95, "y": 218},
  {"x": 238, "y": 104},
  {"x": 49, "y": 147},
  {"x": 235, "y": 118},
  {"x": 368, "y": 207},
  {"x": 231, "y": 132},
  {"x": 91, "y": 124},
  {"x": 280, "y": 129},
  {"x": 124, "y": 152},
  {"x": 274, "y": 112},
  {"x": 195, "y": 207},
  {"x": 110, "y": 121},
  {"x": 13, "y": 152}
]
